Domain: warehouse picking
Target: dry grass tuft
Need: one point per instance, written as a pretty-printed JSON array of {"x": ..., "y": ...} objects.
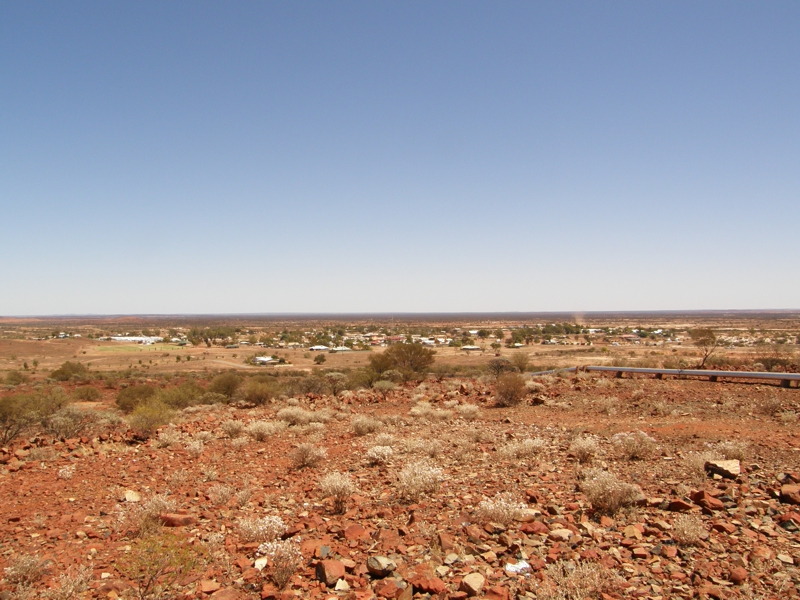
[
  {"x": 232, "y": 429},
  {"x": 569, "y": 581},
  {"x": 584, "y": 448},
  {"x": 307, "y": 455},
  {"x": 220, "y": 493},
  {"x": 265, "y": 529},
  {"x": 687, "y": 530},
  {"x": 468, "y": 412},
  {"x": 71, "y": 584},
  {"x": 285, "y": 557},
  {"x": 607, "y": 493},
  {"x": 362, "y": 425},
  {"x": 379, "y": 455},
  {"x": 195, "y": 448},
  {"x": 635, "y": 445},
  {"x": 260, "y": 431},
  {"x": 503, "y": 509},
  {"x": 338, "y": 486},
  {"x": 418, "y": 479},
  {"x": 526, "y": 448}
]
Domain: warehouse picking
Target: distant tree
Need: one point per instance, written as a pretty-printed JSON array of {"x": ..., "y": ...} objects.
[
  {"x": 319, "y": 359},
  {"x": 498, "y": 366},
  {"x": 410, "y": 359},
  {"x": 225, "y": 384},
  {"x": 383, "y": 387},
  {"x": 521, "y": 360},
  {"x": 496, "y": 346},
  {"x": 484, "y": 333},
  {"x": 706, "y": 341},
  {"x": 68, "y": 370},
  {"x": 336, "y": 381}
]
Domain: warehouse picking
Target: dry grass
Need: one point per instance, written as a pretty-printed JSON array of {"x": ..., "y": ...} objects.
[
  {"x": 261, "y": 431},
  {"x": 285, "y": 557},
  {"x": 468, "y": 412},
  {"x": 503, "y": 509},
  {"x": 339, "y": 487},
  {"x": 168, "y": 437},
  {"x": 521, "y": 449},
  {"x": 379, "y": 455},
  {"x": 584, "y": 448},
  {"x": 265, "y": 529},
  {"x": 635, "y": 445},
  {"x": 25, "y": 569},
  {"x": 687, "y": 530},
  {"x": 732, "y": 450},
  {"x": 569, "y": 581},
  {"x": 195, "y": 448},
  {"x": 417, "y": 480},
  {"x": 220, "y": 494},
  {"x": 426, "y": 412},
  {"x": 145, "y": 518},
  {"x": 307, "y": 455},
  {"x": 606, "y": 493},
  {"x": 232, "y": 429},
  {"x": 71, "y": 584},
  {"x": 363, "y": 425}
]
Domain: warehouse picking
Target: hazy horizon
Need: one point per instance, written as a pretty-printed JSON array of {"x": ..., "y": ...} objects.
[{"x": 352, "y": 158}]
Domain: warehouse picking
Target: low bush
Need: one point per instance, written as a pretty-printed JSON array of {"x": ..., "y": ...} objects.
[
  {"x": 379, "y": 455},
  {"x": 232, "y": 429},
  {"x": 16, "y": 378},
  {"x": 362, "y": 425},
  {"x": 510, "y": 389},
  {"x": 130, "y": 397},
  {"x": 285, "y": 557},
  {"x": 225, "y": 384},
  {"x": 258, "y": 393},
  {"x": 71, "y": 584},
  {"x": 69, "y": 370},
  {"x": 69, "y": 422},
  {"x": 307, "y": 455},
  {"x": 157, "y": 563},
  {"x": 15, "y": 416},
  {"x": 182, "y": 396},
  {"x": 147, "y": 417},
  {"x": 584, "y": 448},
  {"x": 523, "y": 448},
  {"x": 87, "y": 393},
  {"x": 687, "y": 530},
  {"x": 260, "y": 431},
  {"x": 635, "y": 445}
]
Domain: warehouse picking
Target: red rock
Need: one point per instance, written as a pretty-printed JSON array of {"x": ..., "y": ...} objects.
[
  {"x": 427, "y": 585},
  {"x": 739, "y": 575},
  {"x": 226, "y": 594},
  {"x": 497, "y": 592},
  {"x": 356, "y": 532},
  {"x": 724, "y": 527},
  {"x": 176, "y": 520},
  {"x": 207, "y": 586},
  {"x": 706, "y": 500},
  {"x": 387, "y": 588},
  {"x": 790, "y": 494},
  {"x": 446, "y": 542},
  {"x": 535, "y": 527},
  {"x": 330, "y": 571},
  {"x": 679, "y": 506}
]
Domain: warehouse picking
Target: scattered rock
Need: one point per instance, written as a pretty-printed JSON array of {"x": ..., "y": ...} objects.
[
  {"x": 330, "y": 571},
  {"x": 729, "y": 469},
  {"x": 472, "y": 584},
  {"x": 380, "y": 566}
]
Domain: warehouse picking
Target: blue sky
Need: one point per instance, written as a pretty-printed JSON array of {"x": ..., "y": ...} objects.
[{"x": 195, "y": 157}]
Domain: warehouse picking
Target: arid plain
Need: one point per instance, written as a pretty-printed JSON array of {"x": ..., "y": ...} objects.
[{"x": 399, "y": 457}]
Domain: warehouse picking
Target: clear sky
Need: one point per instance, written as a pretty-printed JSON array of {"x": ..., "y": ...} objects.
[{"x": 196, "y": 157}]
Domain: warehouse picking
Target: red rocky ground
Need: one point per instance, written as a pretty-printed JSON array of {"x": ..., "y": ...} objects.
[{"x": 65, "y": 501}]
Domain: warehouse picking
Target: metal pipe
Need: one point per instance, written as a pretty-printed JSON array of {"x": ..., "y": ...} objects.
[{"x": 700, "y": 373}]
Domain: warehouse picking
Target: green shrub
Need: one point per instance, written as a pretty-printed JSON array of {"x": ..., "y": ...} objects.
[
  {"x": 69, "y": 422},
  {"x": 157, "y": 563},
  {"x": 47, "y": 402},
  {"x": 186, "y": 394},
  {"x": 68, "y": 370},
  {"x": 16, "y": 378},
  {"x": 225, "y": 384},
  {"x": 131, "y": 397},
  {"x": 87, "y": 393},
  {"x": 149, "y": 416},
  {"x": 258, "y": 393},
  {"x": 15, "y": 416}
]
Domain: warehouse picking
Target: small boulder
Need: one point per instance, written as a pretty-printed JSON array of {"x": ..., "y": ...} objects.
[
  {"x": 330, "y": 571},
  {"x": 730, "y": 469},
  {"x": 380, "y": 566},
  {"x": 472, "y": 584},
  {"x": 738, "y": 575}
]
